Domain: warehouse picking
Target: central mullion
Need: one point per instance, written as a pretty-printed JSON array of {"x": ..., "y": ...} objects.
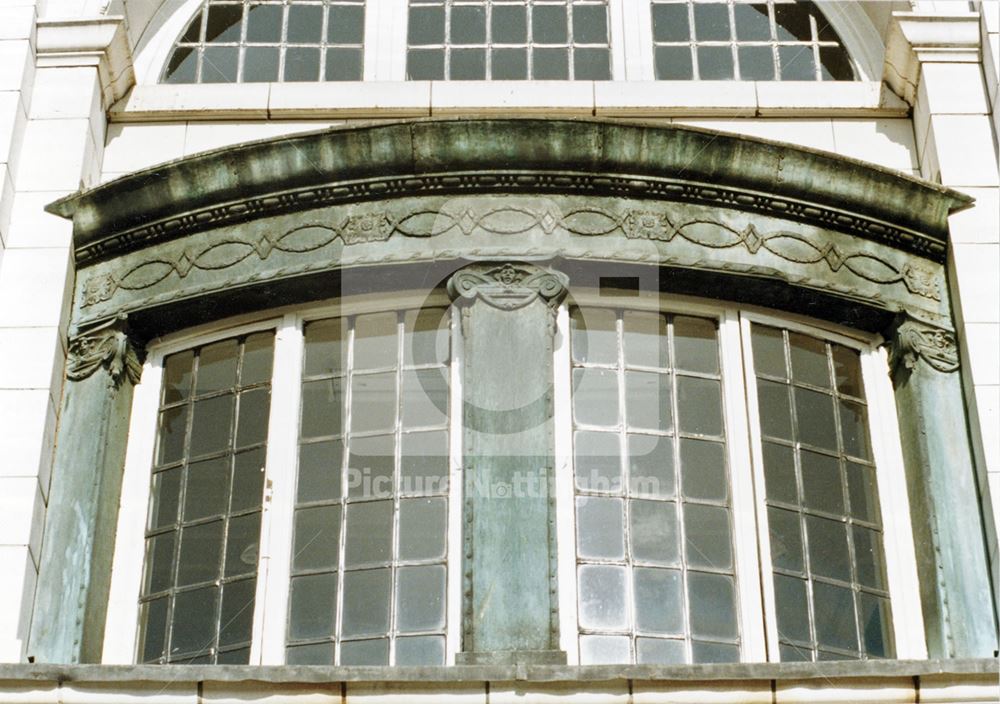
[
  {"x": 344, "y": 485},
  {"x": 397, "y": 488}
]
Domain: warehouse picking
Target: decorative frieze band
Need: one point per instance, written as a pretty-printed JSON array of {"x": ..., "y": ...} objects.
[
  {"x": 108, "y": 346},
  {"x": 915, "y": 340}
]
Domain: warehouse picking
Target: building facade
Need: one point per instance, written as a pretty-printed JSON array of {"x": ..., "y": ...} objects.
[{"x": 480, "y": 350}]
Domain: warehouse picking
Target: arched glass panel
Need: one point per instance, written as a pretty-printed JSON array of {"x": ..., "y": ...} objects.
[
  {"x": 785, "y": 40},
  {"x": 508, "y": 40},
  {"x": 254, "y": 42}
]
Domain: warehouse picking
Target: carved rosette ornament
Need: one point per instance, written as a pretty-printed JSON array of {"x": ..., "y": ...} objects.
[
  {"x": 915, "y": 340},
  {"x": 109, "y": 346},
  {"x": 508, "y": 286}
]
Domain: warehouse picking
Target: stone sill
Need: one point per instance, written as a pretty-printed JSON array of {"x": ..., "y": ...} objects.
[{"x": 652, "y": 99}]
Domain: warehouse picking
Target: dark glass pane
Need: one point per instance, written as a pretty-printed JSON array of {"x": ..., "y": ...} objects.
[
  {"x": 301, "y": 64},
  {"x": 592, "y": 64},
  {"x": 604, "y": 650},
  {"x": 425, "y": 65},
  {"x": 217, "y": 367},
  {"x": 312, "y": 654},
  {"x": 260, "y": 64},
  {"x": 420, "y": 598},
  {"x": 814, "y": 414},
  {"x": 828, "y": 555},
  {"x": 193, "y": 31},
  {"x": 257, "y": 359},
  {"x": 170, "y": 435},
  {"x": 251, "y": 428},
  {"x": 703, "y": 470},
  {"x": 707, "y": 535},
  {"x": 756, "y": 62},
  {"x": 159, "y": 563},
  {"x": 796, "y": 63},
  {"x": 164, "y": 498},
  {"x": 598, "y": 461},
  {"x": 375, "y": 341},
  {"x": 317, "y": 538},
  {"x": 822, "y": 489},
  {"x": 795, "y": 653},
  {"x": 876, "y": 626},
  {"x": 715, "y": 63},
  {"x": 711, "y": 21},
  {"x": 847, "y": 371},
  {"x": 242, "y": 545},
  {"x": 177, "y": 377},
  {"x": 305, "y": 24},
  {"x": 834, "y": 613},
  {"x": 325, "y": 347},
  {"x": 651, "y": 465},
  {"x": 201, "y": 553},
  {"x": 599, "y": 530},
  {"x": 194, "y": 621},
  {"x": 548, "y": 24},
  {"x": 365, "y": 652},
  {"x": 424, "y": 463},
  {"x": 595, "y": 396},
  {"x": 320, "y": 471},
  {"x": 426, "y": 337},
  {"x": 509, "y": 64},
  {"x": 699, "y": 406},
  {"x": 509, "y": 24},
  {"x": 869, "y": 557},
  {"x": 695, "y": 345},
  {"x": 670, "y": 22},
  {"x": 809, "y": 364},
  {"x": 423, "y": 529},
  {"x": 153, "y": 629},
  {"x": 369, "y": 533},
  {"x": 653, "y": 532},
  {"x": 775, "y": 409},
  {"x": 768, "y": 351},
  {"x": 645, "y": 336},
  {"x": 366, "y": 602},
  {"x": 835, "y": 64},
  {"x": 647, "y": 400},
  {"x": 468, "y": 24},
  {"x": 752, "y": 22},
  {"x": 602, "y": 596},
  {"x": 714, "y": 652},
  {"x": 212, "y": 426},
  {"x": 785, "y": 529},
  {"x": 312, "y": 606},
  {"x": 371, "y": 467},
  {"x": 183, "y": 66},
  {"x": 792, "y": 23},
  {"x": 550, "y": 64},
  {"x": 595, "y": 337},
  {"x": 426, "y": 25},
  {"x": 264, "y": 23},
  {"x": 207, "y": 492},
  {"x": 854, "y": 426},
  {"x": 779, "y": 473},
  {"x": 240, "y": 656},
  {"x": 659, "y": 600},
  {"x": 660, "y": 651},
  {"x": 792, "y": 607},
  {"x": 713, "y": 610},
  {"x": 420, "y": 651},
  {"x": 468, "y": 65},
  {"x": 343, "y": 64},
  {"x": 236, "y": 622},
  {"x": 248, "y": 480},
  {"x": 590, "y": 24},
  {"x": 373, "y": 402},
  {"x": 863, "y": 492},
  {"x": 673, "y": 63},
  {"x": 223, "y": 23},
  {"x": 346, "y": 24}
]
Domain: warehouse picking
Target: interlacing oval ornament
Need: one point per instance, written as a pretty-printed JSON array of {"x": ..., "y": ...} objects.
[{"x": 508, "y": 286}]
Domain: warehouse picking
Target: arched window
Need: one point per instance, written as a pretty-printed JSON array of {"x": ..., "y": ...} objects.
[
  {"x": 788, "y": 40},
  {"x": 243, "y": 42}
]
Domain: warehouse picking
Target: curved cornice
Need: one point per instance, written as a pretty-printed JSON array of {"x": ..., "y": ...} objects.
[{"x": 585, "y": 157}]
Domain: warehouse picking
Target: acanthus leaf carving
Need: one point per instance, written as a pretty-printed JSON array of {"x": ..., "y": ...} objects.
[
  {"x": 508, "y": 286},
  {"x": 109, "y": 346},
  {"x": 915, "y": 340}
]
